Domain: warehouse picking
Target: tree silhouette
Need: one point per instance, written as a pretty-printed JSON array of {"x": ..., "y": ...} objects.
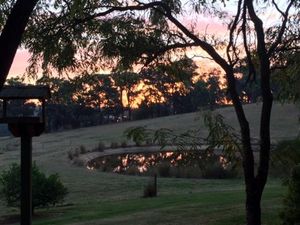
[
  {"x": 12, "y": 32},
  {"x": 127, "y": 84}
]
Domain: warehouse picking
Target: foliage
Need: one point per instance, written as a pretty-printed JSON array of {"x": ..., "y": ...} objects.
[
  {"x": 124, "y": 144},
  {"x": 137, "y": 134},
  {"x": 114, "y": 144},
  {"x": 82, "y": 149},
  {"x": 222, "y": 141},
  {"x": 285, "y": 156},
  {"x": 47, "y": 191},
  {"x": 222, "y": 135},
  {"x": 100, "y": 147},
  {"x": 164, "y": 169},
  {"x": 215, "y": 170},
  {"x": 291, "y": 212},
  {"x": 287, "y": 80}
]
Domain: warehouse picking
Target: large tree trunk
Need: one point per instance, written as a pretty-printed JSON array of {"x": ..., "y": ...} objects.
[
  {"x": 11, "y": 35},
  {"x": 253, "y": 209},
  {"x": 254, "y": 186}
]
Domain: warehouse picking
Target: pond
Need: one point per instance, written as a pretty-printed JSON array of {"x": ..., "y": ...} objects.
[{"x": 181, "y": 164}]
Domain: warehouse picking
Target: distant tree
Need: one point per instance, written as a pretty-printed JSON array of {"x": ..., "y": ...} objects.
[
  {"x": 15, "y": 81},
  {"x": 127, "y": 84},
  {"x": 168, "y": 82},
  {"x": 47, "y": 191},
  {"x": 215, "y": 93},
  {"x": 199, "y": 94},
  {"x": 96, "y": 90},
  {"x": 62, "y": 90}
]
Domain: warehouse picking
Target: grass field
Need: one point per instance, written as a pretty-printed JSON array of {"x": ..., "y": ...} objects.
[{"x": 104, "y": 198}]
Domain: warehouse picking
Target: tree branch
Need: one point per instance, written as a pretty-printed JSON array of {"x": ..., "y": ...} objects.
[
  {"x": 232, "y": 29},
  {"x": 252, "y": 71},
  {"x": 282, "y": 28},
  {"x": 264, "y": 154},
  {"x": 166, "y": 11},
  {"x": 167, "y": 48}
]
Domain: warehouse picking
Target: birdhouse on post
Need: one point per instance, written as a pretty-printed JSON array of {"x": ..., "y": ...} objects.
[{"x": 25, "y": 122}]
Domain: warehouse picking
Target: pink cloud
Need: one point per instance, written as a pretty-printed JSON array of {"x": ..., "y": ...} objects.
[{"x": 205, "y": 24}]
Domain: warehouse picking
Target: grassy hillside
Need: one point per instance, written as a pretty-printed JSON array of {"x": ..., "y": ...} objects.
[{"x": 103, "y": 198}]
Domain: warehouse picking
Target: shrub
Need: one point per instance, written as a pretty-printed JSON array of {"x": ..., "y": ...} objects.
[
  {"x": 70, "y": 155},
  {"x": 186, "y": 172},
  {"x": 291, "y": 211},
  {"x": 285, "y": 156},
  {"x": 101, "y": 146},
  {"x": 114, "y": 144},
  {"x": 132, "y": 171},
  {"x": 76, "y": 153},
  {"x": 149, "y": 142},
  {"x": 150, "y": 190},
  {"x": 47, "y": 191},
  {"x": 78, "y": 161},
  {"x": 124, "y": 144},
  {"x": 82, "y": 149},
  {"x": 164, "y": 169},
  {"x": 217, "y": 171}
]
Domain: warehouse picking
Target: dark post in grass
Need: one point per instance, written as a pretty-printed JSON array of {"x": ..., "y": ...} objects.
[
  {"x": 25, "y": 123},
  {"x": 155, "y": 184}
]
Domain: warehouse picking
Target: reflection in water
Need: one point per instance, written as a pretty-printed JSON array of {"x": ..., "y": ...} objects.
[{"x": 175, "y": 164}]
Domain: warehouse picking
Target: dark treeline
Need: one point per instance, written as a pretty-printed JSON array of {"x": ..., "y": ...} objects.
[{"x": 89, "y": 100}]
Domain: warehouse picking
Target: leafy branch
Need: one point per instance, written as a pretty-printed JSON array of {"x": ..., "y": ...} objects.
[{"x": 221, "y": 138}]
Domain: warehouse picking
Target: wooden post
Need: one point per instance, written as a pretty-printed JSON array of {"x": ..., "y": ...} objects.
[
  {"x": 43, "y": 111},
  {"x": 26, "y": 128},
  {"x": 26, "y": 179},
  {"x": 4, "y": 108},
  {"x": 155, "y": 184}
]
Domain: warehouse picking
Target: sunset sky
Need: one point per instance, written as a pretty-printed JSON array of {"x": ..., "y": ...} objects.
[
  {"x": 202, "y": 25},
  {"x": 20, "y": 63}
]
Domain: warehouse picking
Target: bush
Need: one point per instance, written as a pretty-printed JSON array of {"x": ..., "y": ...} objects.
[
  {"x": 70, "y": 155},
  {"x": 47, "y": 191},
  {"x": 124, "y": 144},
  {"x": 217, "y": 171},
  {"x": 291, "y": 211},
  {"x": 114, "y": 145},
  {"x": 150, "y": 190},
  {"x": 285, "y": 156},
  {"x": 164, "y": 169},
  {"x": 82, "y": 149},
  {"x": 101, "y": 146},
  {"x": 186, "y": 172}
]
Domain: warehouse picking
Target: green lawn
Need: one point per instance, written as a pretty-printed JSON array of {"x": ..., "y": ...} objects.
[
  {"x": 180, "y": 201},
  {"x": 105, "y": 198}
]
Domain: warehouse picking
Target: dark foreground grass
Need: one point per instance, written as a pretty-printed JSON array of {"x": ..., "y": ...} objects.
[{"x": 207, "y": 208}]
